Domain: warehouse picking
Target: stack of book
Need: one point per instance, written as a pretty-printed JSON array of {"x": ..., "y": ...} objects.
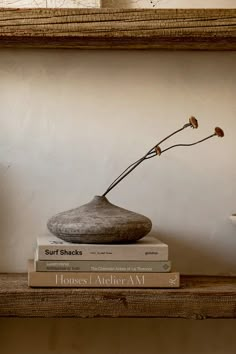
[{"x": 61, "y": 264}]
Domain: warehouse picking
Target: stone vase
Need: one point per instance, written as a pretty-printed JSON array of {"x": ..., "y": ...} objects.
[{"x": 99, "y": 221}]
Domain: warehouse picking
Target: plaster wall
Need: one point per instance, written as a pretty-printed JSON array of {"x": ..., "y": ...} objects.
[{"x": 71, "y": 121}]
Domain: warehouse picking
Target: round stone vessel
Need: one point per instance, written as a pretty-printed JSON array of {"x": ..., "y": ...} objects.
[{"x": 99, "y": 222}]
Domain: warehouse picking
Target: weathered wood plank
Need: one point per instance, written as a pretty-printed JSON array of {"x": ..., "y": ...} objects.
[
  {"x": 200, "y": 297},
  {"x": 207, "y": 29}
]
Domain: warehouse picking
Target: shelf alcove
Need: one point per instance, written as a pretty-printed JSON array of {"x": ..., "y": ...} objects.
[{"x": 200, "y": 297}]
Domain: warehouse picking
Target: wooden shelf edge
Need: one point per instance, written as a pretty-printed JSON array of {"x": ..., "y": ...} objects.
[
  {"x": 191, "y": 29},
  {"x": 199, "y": 297}
]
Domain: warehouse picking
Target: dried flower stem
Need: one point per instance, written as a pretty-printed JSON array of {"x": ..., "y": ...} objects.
[
  {"x": 139, "y": 161},
  {"x": 191, "y": 144},
  {"x": 156, "y": 150},
  {"x": 177, "y": 145}
]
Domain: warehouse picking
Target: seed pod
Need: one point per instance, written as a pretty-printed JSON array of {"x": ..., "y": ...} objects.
[
  {"x": 219, "y": 132},
  {"x": 158, "y": 150},
  {"x": 194, "y": 123}
]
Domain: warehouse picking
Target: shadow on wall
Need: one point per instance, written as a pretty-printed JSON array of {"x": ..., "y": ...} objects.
[
  {"x": 5, "y": 201},
  {"x": 115, "y": 4},
  {"x": 16, "y": 218},
  {"x": 196, "y": 257},
  {"x": 131, "y": 3}
]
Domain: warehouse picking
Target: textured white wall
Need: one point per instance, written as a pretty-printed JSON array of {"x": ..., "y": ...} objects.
[{"x": 71, "y": 121}]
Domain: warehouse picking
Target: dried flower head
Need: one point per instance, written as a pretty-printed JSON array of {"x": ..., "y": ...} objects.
[
  {"x": 219, "y": 132},
  {"x": 158, "y": 150},
  {"x": 193, "y": 122}
]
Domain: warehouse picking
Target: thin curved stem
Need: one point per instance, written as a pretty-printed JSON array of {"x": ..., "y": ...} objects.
[
  {"x": 129, "y": 169},
  {"x": 169, "y": 136},
  {"x": 151, "y": 156},
  {"x": 196, "y": 142},
  {"x": 123, "y": 173}
]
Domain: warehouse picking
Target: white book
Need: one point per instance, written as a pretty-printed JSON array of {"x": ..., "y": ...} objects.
[{"x": 149, "y": 248}]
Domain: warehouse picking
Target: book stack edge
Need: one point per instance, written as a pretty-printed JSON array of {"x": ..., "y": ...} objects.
[{"x": 142, "y": 264}]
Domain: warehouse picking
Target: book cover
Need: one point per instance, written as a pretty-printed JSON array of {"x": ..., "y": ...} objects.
[
  {"x": 149, "y": 248},
  {"x": 103, "y": 266},
  {"x": 102, "y": 280}
]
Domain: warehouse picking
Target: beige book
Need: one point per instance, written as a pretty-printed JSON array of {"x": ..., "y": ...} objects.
[
  {"x": 149, "y": 248},
  {"x": 102, "y": 280}
]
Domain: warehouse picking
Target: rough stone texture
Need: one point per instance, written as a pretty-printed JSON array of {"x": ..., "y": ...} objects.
[{"x": 99, "y": 222}]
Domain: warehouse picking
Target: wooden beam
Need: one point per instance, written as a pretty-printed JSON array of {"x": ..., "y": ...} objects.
[
  {"x": 199, "y": 297},
  {"x": 205, "y": 29}
]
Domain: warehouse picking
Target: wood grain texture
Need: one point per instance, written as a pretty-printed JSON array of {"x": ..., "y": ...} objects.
[
  {"x": 199, "y": 297},
  {"x": 206, "y": 29}
]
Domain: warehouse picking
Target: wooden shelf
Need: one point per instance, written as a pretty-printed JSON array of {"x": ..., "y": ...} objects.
[
  {"x": 200, "y": 297},
  {"x": 207, "y": 29}
]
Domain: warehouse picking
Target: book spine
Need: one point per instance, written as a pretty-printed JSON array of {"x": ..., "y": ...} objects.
[
  {"x": 102, "y": 266},
  {"x": 95, "y": 252},
  {"x": 103, "y": 280}
]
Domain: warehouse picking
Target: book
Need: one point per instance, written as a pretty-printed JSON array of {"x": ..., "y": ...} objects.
[
  {"x": 102, "y": 280},
  {"x": 149, "y": 248},
  {"x": 103, "y": 266}
]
